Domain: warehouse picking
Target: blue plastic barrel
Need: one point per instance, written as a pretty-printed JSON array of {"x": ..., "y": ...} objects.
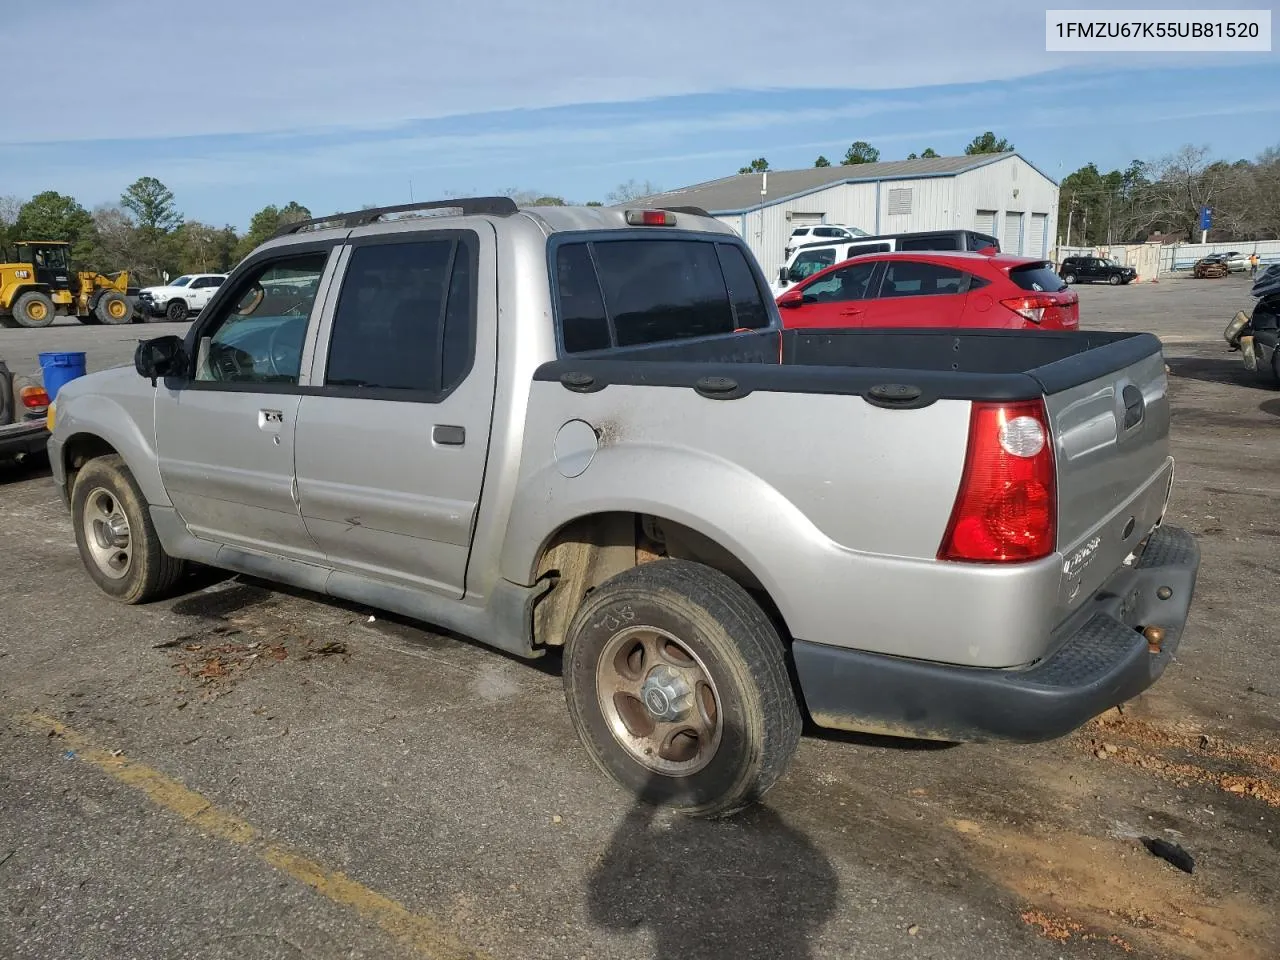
[{"x": 59, "y": 368}]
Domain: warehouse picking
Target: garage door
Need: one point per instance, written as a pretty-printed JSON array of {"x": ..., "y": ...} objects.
[
  {"x": 799, "y": 219},
  {"x": 1011, "y": 239},
  {"x": 985, "y": 222},
  {"x": 1038, "y": 237}
]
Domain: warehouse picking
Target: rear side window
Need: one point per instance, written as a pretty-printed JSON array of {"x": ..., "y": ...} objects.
[
  {"x": 633, "y": 292},
  {"x": 1037, "y": 276},
  {"x": 907, "y": 278},
  {"x": 405, "y": 317},
  {"x": 861, "y": 248},
  {"x": 929, "y": 243}
]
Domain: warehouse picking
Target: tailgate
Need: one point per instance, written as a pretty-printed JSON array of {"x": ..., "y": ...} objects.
[{"x": 1114, "y": 469}]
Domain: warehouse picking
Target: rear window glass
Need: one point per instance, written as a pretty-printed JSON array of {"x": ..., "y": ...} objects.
[
  {"x": 632, "y": 292},
  {"x": 1037, "y": 276},
  {"x": 977, "y": 242}
]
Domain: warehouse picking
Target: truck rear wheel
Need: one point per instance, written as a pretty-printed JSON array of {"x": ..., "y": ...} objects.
[
  {"x": 117, "y": 541},
  {"x": 112, "y": 307},
  {"x": 34, "y": 309},
  {"x": 677, "y": 686}
]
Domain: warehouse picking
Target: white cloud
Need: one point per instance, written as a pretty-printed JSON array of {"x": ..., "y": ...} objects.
[{"x": 263, "y": 66}]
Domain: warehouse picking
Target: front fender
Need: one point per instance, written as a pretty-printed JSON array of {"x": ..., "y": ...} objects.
[{"x": 126, "y": 422}]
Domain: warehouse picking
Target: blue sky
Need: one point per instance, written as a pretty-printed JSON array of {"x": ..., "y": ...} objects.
[{"x": 336, "y": 105}]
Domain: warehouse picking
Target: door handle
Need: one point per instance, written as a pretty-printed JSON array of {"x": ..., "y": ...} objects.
[
  {"x": 850, "y": 311},
  {"x": 270, "y": 419},
  {"x": 448, "y": 435}
]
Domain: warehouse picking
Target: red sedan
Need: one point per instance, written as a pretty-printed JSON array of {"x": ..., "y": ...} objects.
[{"x": 933, "y": 290}]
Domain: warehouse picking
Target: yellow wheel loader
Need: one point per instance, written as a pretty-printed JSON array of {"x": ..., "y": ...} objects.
[{"x": 38, "y": 284}]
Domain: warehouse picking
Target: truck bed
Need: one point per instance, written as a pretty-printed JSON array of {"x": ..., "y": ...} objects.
[{"x": 940, "y": 364}]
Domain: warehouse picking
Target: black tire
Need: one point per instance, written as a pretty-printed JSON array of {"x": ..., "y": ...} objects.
[
  {"x": 1114, "y": 279},
  {"x": 34, "y": 309},
  {"x": 1068, "y": 278},
  {"x": 149, "y": 572},
  {"x": 740, "y": 652},
  {"x": 176, "y": 311},
  {"x": 113, "y": 308}
]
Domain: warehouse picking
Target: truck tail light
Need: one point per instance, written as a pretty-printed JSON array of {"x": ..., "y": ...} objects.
[
  {"x": 651, "y": 218},
  {"x": 1044, "y": 310},
  {"x": 34, "y": 398},
  {"x": 1007, "y": 506}
]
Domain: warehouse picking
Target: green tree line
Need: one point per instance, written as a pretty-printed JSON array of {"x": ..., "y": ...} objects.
[
  {"x": 1165, "y": 195},
  {"x": 145, "y": 232}
]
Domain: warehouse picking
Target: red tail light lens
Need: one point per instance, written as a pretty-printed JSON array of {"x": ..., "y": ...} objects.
[
  {"x": 1007, "y": 507},
  {"x": 33, "y": 398},
  {"x": 1047, "y": 311}
]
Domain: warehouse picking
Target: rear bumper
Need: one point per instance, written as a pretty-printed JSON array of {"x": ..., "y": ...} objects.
[
  {"x": 22, "y": 438},
  {"x": 1100, "y": 660}
]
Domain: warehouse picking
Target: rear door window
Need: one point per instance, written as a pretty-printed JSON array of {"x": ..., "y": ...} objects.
[
  {"x": 405, "y": 317},
  {"x": 929, "y": 243},
  {"x": 1039, "y": 277},
  {"x": 632, "y": 292},
  {"x": 909, "y": 278},
  {"x": 857, "y": 249}
]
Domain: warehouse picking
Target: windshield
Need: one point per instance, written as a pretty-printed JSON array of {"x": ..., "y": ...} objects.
[{"x": 180, "y": 282}]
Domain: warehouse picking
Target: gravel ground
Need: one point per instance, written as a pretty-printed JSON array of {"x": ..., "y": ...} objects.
[{"x": 252, "y": 772}]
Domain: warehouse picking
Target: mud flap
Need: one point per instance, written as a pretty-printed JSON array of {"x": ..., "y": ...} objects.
[{"x": 1248, "y": 354}]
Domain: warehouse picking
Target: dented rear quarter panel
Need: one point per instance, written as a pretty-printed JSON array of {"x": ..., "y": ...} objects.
[{"x": 835, "y": 506}]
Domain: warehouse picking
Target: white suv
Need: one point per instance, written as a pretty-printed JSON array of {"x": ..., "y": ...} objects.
[
  {"x": 817, "y": 233},
  {"x": 180, "y": 297}
]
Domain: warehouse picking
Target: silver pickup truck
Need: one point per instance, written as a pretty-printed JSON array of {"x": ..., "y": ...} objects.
[{"x": 585, "y": 428}]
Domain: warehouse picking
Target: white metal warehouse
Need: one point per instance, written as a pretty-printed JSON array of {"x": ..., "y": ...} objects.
[{"x": 1001, "y": 194}]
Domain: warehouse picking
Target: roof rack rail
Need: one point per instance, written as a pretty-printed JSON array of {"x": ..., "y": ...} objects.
[{"x": 470, "y": 206}]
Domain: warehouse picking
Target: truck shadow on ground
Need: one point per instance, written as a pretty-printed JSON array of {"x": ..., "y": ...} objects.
[
  {"x": 1226, "y": 370},
  {"x": 1271, "y": 407},
  {"x": 748, "y": 886}
]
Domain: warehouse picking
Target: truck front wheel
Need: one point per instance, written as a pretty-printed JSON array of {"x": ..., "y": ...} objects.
[
  {"x": 117, "y": 541},
  {"x": 677, "y": 685}
]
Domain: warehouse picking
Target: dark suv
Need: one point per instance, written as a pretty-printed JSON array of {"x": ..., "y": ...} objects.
[{"x": 1096, "y": 270}]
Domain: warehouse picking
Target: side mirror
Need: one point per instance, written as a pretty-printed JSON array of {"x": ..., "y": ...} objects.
[
  {"x": 160, "y": 357},
  {"x": 782, "y": 274},
  {"x": 791, "y": 299}
]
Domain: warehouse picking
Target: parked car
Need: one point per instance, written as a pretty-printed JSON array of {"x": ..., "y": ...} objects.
[
  {"x": 1256, "y": 334},
  {"x": 820, "y": 233},
  {"x": 1220, "y": 264},
  {"x": 574, "y": 427},
  {"x": 934, "y": 290},
  {"x": 181, "y": 297},
  {"x": 808, "y": 259},
  {"x": 23, "y": 408},
  {"x": 1096, "y": 270}
]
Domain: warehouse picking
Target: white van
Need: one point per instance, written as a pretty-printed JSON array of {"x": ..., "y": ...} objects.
[{"x": 807, "y": 260}]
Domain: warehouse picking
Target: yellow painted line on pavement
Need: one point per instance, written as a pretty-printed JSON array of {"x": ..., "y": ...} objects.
[{"x": 425, "y": 935}]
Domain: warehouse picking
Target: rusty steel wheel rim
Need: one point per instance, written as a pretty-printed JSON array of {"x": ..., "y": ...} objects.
[{"x": 659, "y": 700}]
